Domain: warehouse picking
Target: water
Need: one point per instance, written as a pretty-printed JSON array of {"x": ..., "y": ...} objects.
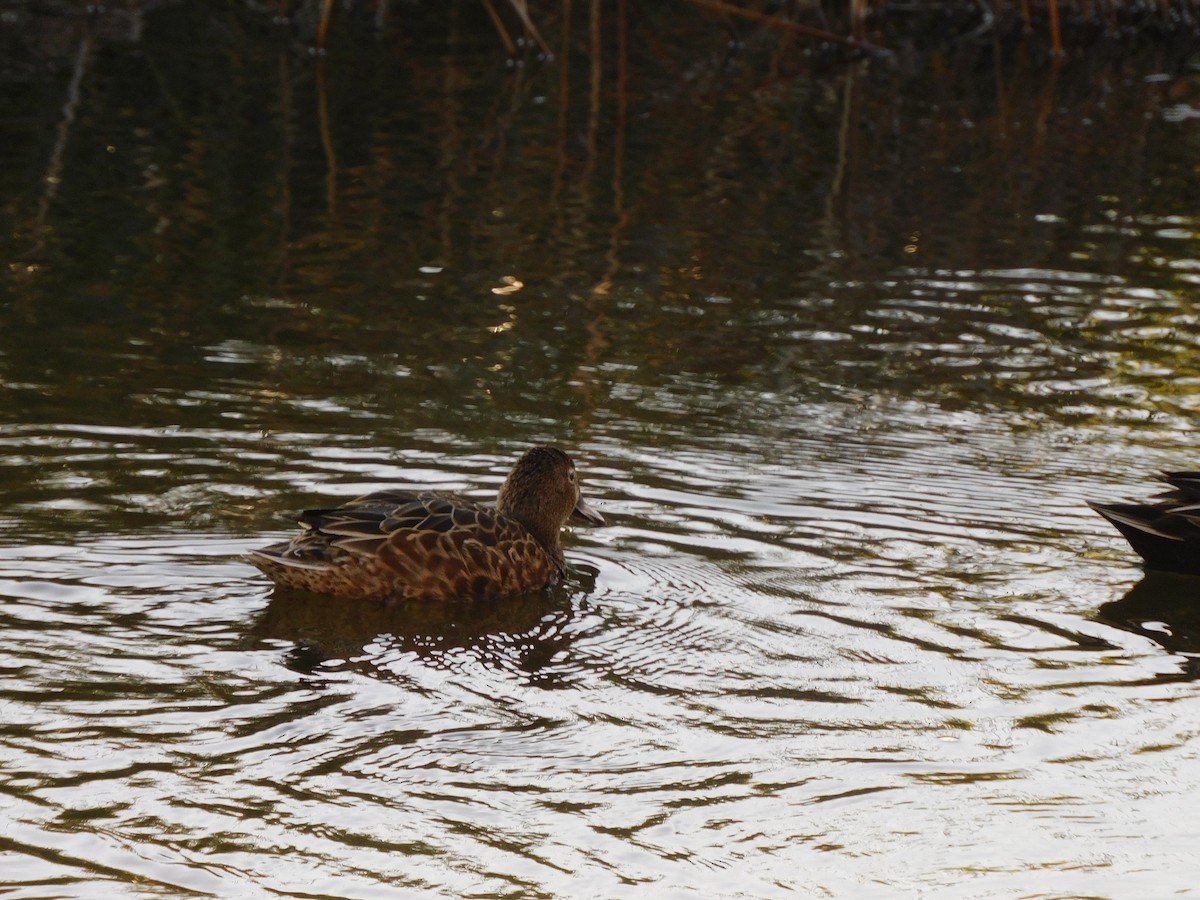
[{"x": 840, "y": 359}]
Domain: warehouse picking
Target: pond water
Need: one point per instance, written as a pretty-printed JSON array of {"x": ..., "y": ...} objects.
[{"x": 841, "y": 349}]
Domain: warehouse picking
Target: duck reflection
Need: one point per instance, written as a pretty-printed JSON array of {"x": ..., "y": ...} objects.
[
  {"x": 529, "y": 636},
  {"x": 1164, "y": 607}
]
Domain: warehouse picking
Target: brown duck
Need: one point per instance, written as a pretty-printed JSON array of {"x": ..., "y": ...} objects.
[{"x": 408, "y": 545}]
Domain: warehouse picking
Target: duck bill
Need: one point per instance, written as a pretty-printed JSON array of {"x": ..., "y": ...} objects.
[{"x": 583, "y": 512}]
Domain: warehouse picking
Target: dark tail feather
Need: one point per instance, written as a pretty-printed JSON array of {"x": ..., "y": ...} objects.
[
  {"x": 1160, "y": 539},
  {"x": 1187, "y": 482}
]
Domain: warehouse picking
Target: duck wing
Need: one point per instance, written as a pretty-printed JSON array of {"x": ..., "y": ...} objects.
[{"x": 365, "y": 524}]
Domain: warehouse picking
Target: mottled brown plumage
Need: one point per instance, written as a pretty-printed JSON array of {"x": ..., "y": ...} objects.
[{"x": 408, "y": 545}]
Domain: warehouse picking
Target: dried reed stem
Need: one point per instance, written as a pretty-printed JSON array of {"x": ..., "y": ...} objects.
[
  {"x": 1055, "y": 29},
  {"x": 509, "y": 46},
  {"x": 323, "y": 28}
]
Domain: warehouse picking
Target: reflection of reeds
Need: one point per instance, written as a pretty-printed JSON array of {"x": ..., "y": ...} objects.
[
  {"x": 858, "y": 8},
  {"x": 618, "y": 170},
  {"x": 659, "y": 177},
  {"x": 520, "y": 7}
]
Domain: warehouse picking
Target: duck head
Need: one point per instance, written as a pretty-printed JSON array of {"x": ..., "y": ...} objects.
[{"x": 542, "y": 493}]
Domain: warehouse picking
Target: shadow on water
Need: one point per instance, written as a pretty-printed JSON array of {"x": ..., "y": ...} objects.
[
  {"x": 1165, "y": 608},
  {"x": 529, "y": 636}
]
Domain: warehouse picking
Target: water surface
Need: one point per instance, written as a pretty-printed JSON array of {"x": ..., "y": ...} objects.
[{"x": 840, "y": 357}]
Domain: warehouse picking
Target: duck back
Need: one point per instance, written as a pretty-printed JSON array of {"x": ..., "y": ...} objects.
[{"x": 403, "y": 545}]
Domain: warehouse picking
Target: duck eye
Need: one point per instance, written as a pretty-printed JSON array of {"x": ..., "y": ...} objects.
[{"x": 571, "y": 475}]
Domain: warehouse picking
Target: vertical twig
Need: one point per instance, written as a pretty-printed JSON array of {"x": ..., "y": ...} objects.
[
  {"x": 833, "y": 200},
  {"x": 509, "y": 46},
  {"x": 522, "y": 9},
  {"x": 54, "y": 166},
  {"x": 564, "y": 102},
  {"x": 858, "y": 18},
  {"x": 285, "y": 183},
  {"x": 323, "y": 28},
  {"x": 1056, "y": 46},
  {"x": 331, "y": 167},
  {"x": 596, "y": 56},
  {"x": 620, "y": 213},
  {"x": 450, "y": 143}
]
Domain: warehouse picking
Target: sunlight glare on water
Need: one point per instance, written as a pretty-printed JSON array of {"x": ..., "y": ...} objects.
[{"x": 770, "y": 654}]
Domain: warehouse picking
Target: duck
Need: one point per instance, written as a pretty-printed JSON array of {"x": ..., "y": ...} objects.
[
  {"x": 1165, "y": 531},
  {"x": 400, "y": 544}
]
